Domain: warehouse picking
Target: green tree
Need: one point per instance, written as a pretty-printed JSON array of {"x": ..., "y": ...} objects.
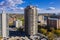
[
  {"x": 52, "y": 30},
  {"x": 42, "y": 30},
  {"x": 50, "y": 35},
  {"x": 11, "y": 23},
  {"x": 57, "y": 32}
]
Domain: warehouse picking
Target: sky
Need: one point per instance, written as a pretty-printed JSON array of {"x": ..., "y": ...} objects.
[{"x": 17, "y": 6}]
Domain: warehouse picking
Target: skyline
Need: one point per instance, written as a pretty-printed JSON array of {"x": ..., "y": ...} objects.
[{"x": 43, "y": 6}]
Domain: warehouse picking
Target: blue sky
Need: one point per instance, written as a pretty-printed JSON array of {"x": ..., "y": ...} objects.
[{"x": 43, "y": 6}]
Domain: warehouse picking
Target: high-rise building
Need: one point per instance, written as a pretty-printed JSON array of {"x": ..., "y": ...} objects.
[
  {"x": 31, "y": 20},
  {"x": 4, "y": 28}
]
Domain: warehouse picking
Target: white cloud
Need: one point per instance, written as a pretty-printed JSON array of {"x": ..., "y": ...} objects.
[
  {"x": 14, "y": 2},
  {"x": 51, "y": 8},
  {"x": 49, "y": 11},
  {"x": 39, "y": 9},
  {"x": 18, "y": 10},
  {"x": 21, "y": 8},
  {"x": 11, "y": 4}
]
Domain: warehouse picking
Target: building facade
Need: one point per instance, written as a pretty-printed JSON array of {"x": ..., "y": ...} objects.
[
  {"x": 54, "y": 22},
  {"x": 31, "y": 20},
  {"x": 42, "y": 20},
  {"x": 18, "y": 23},
  {"x": 4, "y": 28},
  {"x": 1, "y": 25}
]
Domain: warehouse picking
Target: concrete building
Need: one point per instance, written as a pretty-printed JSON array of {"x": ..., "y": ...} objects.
[
  {"x": 42, "y": 20},
  {"x": 54, "y": 22},
  {"x": 18, "y": 23},
  {"x": 4, "y": 28},
  {"x": 31, "y": 20}
]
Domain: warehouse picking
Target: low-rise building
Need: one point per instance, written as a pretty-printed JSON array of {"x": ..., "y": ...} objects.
[
  {"x": 53, "y": 22},
  {"x": 17, "y": 23}
]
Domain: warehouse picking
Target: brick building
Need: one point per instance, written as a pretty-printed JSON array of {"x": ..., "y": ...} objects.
[{"x": 53, "y": 22}]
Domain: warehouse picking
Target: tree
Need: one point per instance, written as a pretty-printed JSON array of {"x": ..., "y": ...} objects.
[
  {"x": 57, "y": 32},
  {"x": 50, "y": 35},
  {"x": 52, "y": 30},
  {"x": 10, "y": 23},
  {"x": 42, "y": 30}
]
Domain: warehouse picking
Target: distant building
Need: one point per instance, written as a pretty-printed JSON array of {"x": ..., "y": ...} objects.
[
  {"x": 11, "y": 20},
  {"x": 31, "y": 20},
  {"x": 54, "y": 22},
  {"x": 18, "y": 23},
  {"x": 4, "y": 28},
  {"x": 42, "y": 20},
  {"x": 14, "y": 18}
]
